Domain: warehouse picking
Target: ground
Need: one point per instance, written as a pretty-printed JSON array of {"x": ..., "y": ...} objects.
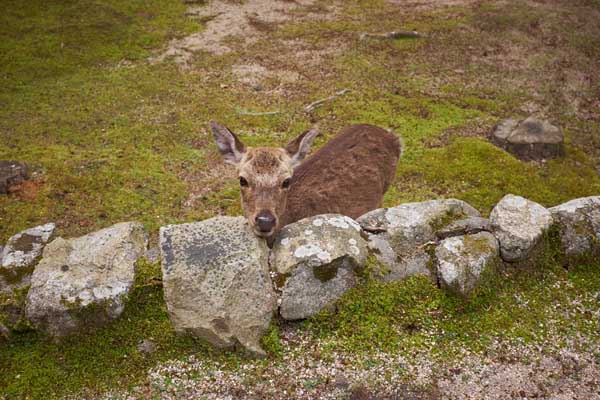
[{"x": 109, "y": 101}]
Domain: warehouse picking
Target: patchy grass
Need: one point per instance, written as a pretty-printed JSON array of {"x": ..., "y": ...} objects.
[
  {"x": 31, "y": 366},
  {"x": 517, "y": 307},
  {"x": 112, "y": 137}
]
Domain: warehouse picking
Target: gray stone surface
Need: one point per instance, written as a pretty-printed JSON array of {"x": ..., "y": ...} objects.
[
  {"x": 152, "y": 255},
  {"x": 12, "y": 173},
  {"x": 399, "y": 236},
  {"x": 519, "y": 224},
  {"x": 463, "y": 261},
  {"x": 19, "y": 255},
  {"x": 529, "y": 139},
  {"x": 83, "y": 283},
  {"x": 465, "y": 226},
  {"x": 314, "y": 262},
  {"x": 578, "y": 222},
  {"x": 146, "y": 347},
  {"x": 216, "y": 282}
]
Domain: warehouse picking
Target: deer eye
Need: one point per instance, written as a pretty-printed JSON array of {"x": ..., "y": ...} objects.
[
  {"x": 286, "y": 183},
  {"x": 243, "y": 182}
]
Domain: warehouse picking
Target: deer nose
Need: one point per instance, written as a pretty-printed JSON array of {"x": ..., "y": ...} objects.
[{"x": 265, "y": 221}]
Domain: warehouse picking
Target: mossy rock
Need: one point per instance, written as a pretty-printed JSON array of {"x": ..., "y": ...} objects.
[{"x": 464, "y": 262}]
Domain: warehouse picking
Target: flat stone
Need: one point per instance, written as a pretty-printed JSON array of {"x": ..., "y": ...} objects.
[
  {"x": 12, "y": 173},
  {"x": 314, "y": 262},
  {"x": 83, "y": 283},
  {"x": 399, "y": 236},
  {"x": 147, "y": 346},
  {"x": 529, "y": 139},
  {"x": 20, "y": 254},
  {"x": 216, "y": 282},
  {"x": 463, "y": 261},
  {"x": 465, "y": 226},
  {"x": 578, "y": 222},
  {"x": 519, "y": 224}
]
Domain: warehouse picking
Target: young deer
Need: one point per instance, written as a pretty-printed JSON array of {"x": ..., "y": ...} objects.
[{"x": 349, "y": 175}]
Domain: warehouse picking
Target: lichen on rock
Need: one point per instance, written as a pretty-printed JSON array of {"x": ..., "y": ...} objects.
[
  {"x": 83, "y": 283},
  {"x": 314, "y": 262},
  {"x": 216, "y": 282},
  {"x": 578, "y": 223},
  {"x": 519, "y": 224},
  {"x": 399, "y": 236},
  {"x": 20, "y": 254},
  {"x": 462, "y": 261}
]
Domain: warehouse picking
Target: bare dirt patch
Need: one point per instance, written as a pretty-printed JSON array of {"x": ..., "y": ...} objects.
[
  {"x": 425, "y": 5},
  {"x": 244, "y": 22}
]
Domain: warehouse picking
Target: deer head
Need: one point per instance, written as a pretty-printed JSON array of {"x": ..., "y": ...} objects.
[{"x": 265, "y": 175}]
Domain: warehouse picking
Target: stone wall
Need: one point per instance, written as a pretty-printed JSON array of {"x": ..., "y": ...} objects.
[{"x": 224, "y": 285}]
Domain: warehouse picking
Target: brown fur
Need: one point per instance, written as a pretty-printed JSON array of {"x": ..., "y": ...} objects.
[{"x": 349, "y": 175}]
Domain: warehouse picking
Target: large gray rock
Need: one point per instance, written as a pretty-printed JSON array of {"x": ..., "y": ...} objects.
[
  {"x": 578, "y": 222},
  {"x": 529, "y": 139},
  {"x": 519, "y": 224},
  {"x": 83, "y": 283},
  {"x": 314, "y": 261},
  {"x": 399, "y": 236},
  {"x": 463, "y": 261},
  {"x": 18, "y": 257},
  {"x": 216, "y": 282},
  {"x": 12, "y": 173}
]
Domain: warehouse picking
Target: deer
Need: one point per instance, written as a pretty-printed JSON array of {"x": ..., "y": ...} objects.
[{"x": 349, "y": 175}]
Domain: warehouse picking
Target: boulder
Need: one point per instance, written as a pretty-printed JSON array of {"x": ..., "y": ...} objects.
[
  {"x": 465, "y": 226},
  {"x": 519, "y": 224},
  {"x": 578, "y": 222},
  {"x": 18, "y": 257},
  {"x": 464, "y": 261},
  {"x": 529, "y": 139},
  {"x": 216, "y": 282},
  {"x": 12, "y": 173},
  {"x": 314, "y": 262},
  {"x": 399, "y": 236},
  {"x": 83, "y": 283}
]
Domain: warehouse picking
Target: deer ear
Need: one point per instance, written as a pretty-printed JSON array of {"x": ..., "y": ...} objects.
[
  {"x": 230, "y": 147},
  {"x": 299, "y": 147}
]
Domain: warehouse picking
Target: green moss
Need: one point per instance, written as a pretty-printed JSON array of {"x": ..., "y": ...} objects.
[
  {"x": 373, "y": 269},
  {"x": 446, "y": 219},
  {"x": 36, "y": 368},
  {"x": 325, "y": 273},
  {"x": 112, "y": 138},
  {"x": 15, "y": 275},
  {"x": 413, "y": 315},
  {"x": 476, "y": 245},
  {"x": 271, "y": 341},
  {"x": 12, "y": 309},
  {"x": 281, "y": 279}
]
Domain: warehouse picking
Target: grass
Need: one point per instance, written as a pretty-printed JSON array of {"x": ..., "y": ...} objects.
[
  {"x": 34, "y": 367},
  {"x": 112, "y": 137},
  {"x": 519, "y": 306}
]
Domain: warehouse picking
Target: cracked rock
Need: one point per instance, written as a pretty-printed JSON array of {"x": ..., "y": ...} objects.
[
  {"x": 20, "y": 254},
  {"x": 578, "y": 223},
  {"x": 519, "y": 224},
  {"x": 462, "y": 261},
  {"x": 529, "y": 139},
  {"x": 314, "y": 261},
  {"x": 216, "y": 282},
  {"x": 399, "y": 236},
  {"x": 83, "y": 283}
]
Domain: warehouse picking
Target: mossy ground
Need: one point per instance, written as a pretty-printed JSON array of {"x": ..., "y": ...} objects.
[{"x": 112, "y": 137}]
